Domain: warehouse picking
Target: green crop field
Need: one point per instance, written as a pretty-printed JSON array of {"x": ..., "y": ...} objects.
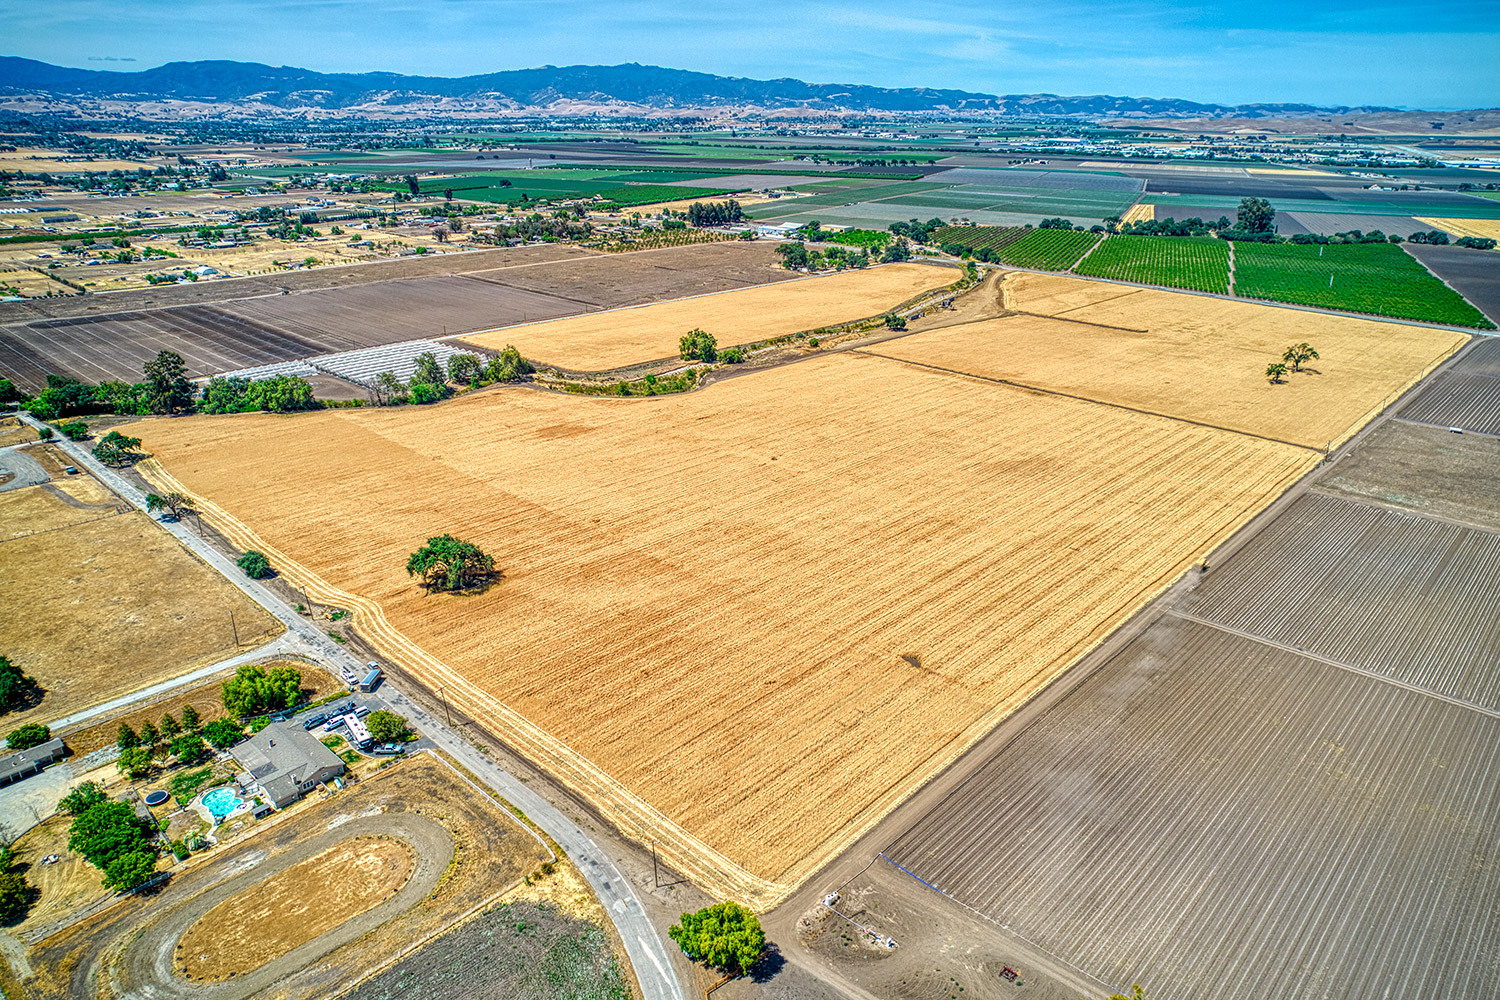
[
  {"x": 1201, "y": 264},
  {"x": 649, "y": 194},
  {"x": 1376, "y": 278},
  {"x": 1047, "y": 249},
  {"x": 979, "y": 237}
]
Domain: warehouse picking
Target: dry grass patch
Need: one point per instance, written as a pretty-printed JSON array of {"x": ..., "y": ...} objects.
[
  {"x": 761, "y": 614},
  {"x": 1482, "y": 228},
  {"x": 1188, "y": 356},
  {"x": 12, "y": 431},
  {"x": 293, "y": 907},
  {"x": 602, "y": 341},
  {"x": 99, "y": 603}
]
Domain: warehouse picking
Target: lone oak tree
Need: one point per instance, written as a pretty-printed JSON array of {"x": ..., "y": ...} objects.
[
  {"x": 451, "y": 564},
  {"x": 726, "y": 936}
]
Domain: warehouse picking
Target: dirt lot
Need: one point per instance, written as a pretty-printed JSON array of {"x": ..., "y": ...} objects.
[
  {"x": 292, "y": 907},
  {"x": 871, "y": 563},
  {"x": 99, "y": 603},
  {"x": 1425, "y": 469},
  {"x": 419, "y": 801},
  {"x": 614, "y": 339},
  {"x": 1187, "y": 356},
  {"x": 12, "y": 431}
]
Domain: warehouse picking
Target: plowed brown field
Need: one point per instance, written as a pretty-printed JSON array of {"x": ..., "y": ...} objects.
[
  {"x": 1188, "y": 356},
  {"x": 602, "y": 341},
  {"x": 745, "y": 621}
]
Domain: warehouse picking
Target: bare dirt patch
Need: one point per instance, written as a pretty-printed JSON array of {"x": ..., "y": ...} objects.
[
  {"x": 12, "y": 431},
  {"x": 102, "y": 603},
  {"x": 292, "y": 907}
]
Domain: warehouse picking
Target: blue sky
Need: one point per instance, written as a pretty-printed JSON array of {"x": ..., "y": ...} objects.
[{"x": 1433, "y": 55}]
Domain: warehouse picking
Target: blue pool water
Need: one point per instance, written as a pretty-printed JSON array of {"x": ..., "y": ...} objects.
[{"x": 221, "y": 802}]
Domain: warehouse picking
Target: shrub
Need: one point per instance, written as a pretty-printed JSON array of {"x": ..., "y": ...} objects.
[
  {"x": 189, "y": 748},
  {"x": 27, "y": 736},
  {"x": 223, "y": 733},
  {"x": 894, "y": 322},
  {"x": 75, "y": 430},
  {"x": 732, "y": 356},
  {"x": 697, "y": 345},
  {"x": 388, "y": 727},
  {"x": 255, "y": 564},
  {"x": 44, "y": 433},
  {"x": 425, "y": 392}
]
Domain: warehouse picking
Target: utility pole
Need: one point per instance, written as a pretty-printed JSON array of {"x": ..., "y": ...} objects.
[
  {"x": 447, "y": 713},
  {"x": 236, "y": 629}
]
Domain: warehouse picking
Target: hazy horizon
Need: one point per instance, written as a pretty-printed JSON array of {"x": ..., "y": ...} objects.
[{"x": 1343, "y": 53}]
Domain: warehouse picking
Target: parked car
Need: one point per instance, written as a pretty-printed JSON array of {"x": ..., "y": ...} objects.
[
  {"x": 362, "y": 711},
  {"x": 315, "y": 721},
  {"x": 337, "y": 722},
  {"x": 389, "y": 749}
]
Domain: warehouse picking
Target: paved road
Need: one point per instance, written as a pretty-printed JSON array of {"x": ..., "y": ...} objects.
[
  {"x": 643, "y": 945},
  {"x": 282, "y": 644}
]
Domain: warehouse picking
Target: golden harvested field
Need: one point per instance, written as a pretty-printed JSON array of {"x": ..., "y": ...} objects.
[
  {"x": 601, "y": 341},
  {"x": 293, "y": 907},
  {"x": 1483, "y": 228},
  {"x": 98, "y": 603},
  {"x": 1188, "y": 356},
  {"x": 745, "y": 621},
  {"x": 1141, "y": 211}
]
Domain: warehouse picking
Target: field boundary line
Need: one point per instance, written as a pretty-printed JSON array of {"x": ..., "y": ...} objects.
[
  {"x": 1096, "y": 246},
  {"x": 1022, "y": 386},
  {"x": 1352, "y": 668},
  {"x": 622, "y": 807}
]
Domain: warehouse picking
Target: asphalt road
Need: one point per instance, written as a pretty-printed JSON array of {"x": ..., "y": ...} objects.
[{"x": 643, "y": 945}]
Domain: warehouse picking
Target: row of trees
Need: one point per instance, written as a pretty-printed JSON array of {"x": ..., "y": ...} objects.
[
  {"x": 166, "y": 389},
  {"x": 186, "y": 741},
  {"x": 277, "y": 394},
  {"x": 109, "y": 836},
  {"x": 715, "y": 213},
  {"x": 797, "y": 256}
]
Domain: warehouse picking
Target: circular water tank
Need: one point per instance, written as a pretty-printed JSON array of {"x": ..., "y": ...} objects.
[{"x": 156, "y": 798}]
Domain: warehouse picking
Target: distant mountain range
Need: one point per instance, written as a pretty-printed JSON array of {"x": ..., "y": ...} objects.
[{"x": 565, "y": 89}]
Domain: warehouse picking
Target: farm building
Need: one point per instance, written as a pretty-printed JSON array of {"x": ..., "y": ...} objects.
[
  {"x": 285, "y": 763},
  {"x": 28, "y": 762}
]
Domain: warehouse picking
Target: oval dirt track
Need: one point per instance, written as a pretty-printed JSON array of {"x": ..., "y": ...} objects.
[{"x": 147, "y": 967}]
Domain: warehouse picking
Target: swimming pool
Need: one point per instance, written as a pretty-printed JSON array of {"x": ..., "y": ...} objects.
[{"x": 220, "y": 802}]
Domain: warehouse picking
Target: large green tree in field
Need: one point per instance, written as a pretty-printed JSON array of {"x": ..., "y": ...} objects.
[
  {"x": 117, "y": 449},
  {"x": 109, "y": 836},
  {"x": 1255, "y": 215},
  {"x": 252, "y": 690},
  {"x": 17, "y": 689},
  {"x": 448, "y": 563},
  {"x": 167, "y": 387},
  {"x": 726, "y": 936}
]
